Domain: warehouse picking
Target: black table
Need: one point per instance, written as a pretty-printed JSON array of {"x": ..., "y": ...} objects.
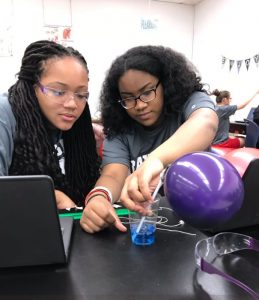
[
  {"x": 107, "y": 266},
  {"x": 238, "y": 127}
]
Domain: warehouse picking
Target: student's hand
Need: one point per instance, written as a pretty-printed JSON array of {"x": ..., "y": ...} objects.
[
  {"x": 140, "y": 184},
  {"x": 63, "y": 201},
  {"x": 99, "y": 214}
]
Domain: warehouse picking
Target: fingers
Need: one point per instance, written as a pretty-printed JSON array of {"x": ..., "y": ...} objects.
[
  {"x": 131, "y": 205},
  {"x": 63, "y": 201},
  {"x": 131, "y": 197},
  {"x": 135, "y": 189},
  {"x": 139, "y": 185},
  {"x": 92, "y": 223},
  {"x": 117, "y": 223},
  {"x": 99, "y": 214}
]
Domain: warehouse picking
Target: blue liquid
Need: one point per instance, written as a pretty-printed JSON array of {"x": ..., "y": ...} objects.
[{"x": 146, "y": 235}]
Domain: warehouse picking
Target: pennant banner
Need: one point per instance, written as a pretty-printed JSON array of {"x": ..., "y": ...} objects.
[
  {"x": 231, "y": 64},
  {"x": 256, "y": 59},
  {"x": 239, "y": 62},
  {"x": 223, "y": 60},
  {"x": 247, "y": 61}
]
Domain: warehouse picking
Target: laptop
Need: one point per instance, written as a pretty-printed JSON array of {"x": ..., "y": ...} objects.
[
  {"x": 31, "y": 231},
  {"x": 248, "y": 215}
]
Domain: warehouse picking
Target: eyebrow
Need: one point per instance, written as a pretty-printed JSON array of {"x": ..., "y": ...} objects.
[
  {"x": 139, "y": 91},
  {"x": 65, "y": 86}
]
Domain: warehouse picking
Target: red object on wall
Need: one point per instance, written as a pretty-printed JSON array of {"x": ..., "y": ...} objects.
[{"x": 66, "y": 33}]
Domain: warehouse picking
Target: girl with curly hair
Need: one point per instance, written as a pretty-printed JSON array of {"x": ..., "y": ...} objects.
[
  {"x": 45, "y": 122},
  {"x": 154, "y": 109}
]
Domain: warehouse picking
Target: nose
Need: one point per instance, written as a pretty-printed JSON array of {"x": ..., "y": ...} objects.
[
  {"x": 70, "y": 101},
  {"x": 140, "y": 104}
]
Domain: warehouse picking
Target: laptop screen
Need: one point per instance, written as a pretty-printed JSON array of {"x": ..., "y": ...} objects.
[{"x": 29, "y": 224}]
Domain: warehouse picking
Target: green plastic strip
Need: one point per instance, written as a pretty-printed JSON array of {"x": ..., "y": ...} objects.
[{"x": 77, "y": 215}]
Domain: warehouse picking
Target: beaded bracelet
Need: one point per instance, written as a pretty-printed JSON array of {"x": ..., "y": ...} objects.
[{"x": 99, "y": 190}]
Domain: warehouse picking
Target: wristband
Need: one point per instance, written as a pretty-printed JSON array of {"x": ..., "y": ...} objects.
[
  {"x": 105, "y": 191},
  {"x": 99, "y": 189},
  {"x": 89, "y": 197}
]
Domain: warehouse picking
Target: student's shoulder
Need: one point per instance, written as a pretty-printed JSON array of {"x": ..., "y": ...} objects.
[
  {"x": 199, "y": 96},
  {"x": 198, "y": 100},
  {"x": 6, "y": 112},
  {"x": 4, "y": 103}
]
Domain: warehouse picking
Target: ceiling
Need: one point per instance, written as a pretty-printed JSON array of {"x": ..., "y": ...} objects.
[{"x": 186, "y": 2}]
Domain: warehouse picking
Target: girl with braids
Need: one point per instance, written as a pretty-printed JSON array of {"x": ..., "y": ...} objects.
[
  {"x": 45, "y": 122},
  {"x": 154, "y": 109}
]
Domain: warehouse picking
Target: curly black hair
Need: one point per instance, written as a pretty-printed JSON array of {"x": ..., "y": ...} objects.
[
  {"x": 34, "y": 152},
  {"x": 177, "y": 75}
]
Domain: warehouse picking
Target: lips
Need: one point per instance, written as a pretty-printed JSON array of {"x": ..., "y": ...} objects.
[
  {"x": 68, "y": 117},
  {"x": 144, "y": 116}
]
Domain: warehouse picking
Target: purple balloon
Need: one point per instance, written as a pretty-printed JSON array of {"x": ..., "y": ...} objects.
[{"x": 204, "y": 189}]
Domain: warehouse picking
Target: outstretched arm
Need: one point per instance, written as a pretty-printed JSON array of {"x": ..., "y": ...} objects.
[
  {"x": 245, "y": 103},
  {"x": 195, "y": 134}
]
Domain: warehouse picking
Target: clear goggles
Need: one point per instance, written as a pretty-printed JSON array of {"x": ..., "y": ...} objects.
[{"x": 207, "y": 250}]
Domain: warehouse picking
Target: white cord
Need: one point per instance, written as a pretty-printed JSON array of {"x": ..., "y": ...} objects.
[
  {"x": 161, "y": 222},
  {"x": 178, "y": 231}
]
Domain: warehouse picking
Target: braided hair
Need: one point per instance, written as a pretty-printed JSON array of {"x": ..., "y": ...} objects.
[{"x": 34, "y": 151}]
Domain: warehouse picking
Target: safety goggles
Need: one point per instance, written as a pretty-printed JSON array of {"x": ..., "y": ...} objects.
[{"x": 207, "y": 250}]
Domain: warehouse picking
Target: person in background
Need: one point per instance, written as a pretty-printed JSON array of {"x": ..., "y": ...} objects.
[
  {"x": 224, "y": 110},
  {"x": 154, "y": 109},
  {"x": 45, "y": 122}
]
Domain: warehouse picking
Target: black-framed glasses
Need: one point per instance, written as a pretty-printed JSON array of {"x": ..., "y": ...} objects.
[
  {"x": 61, "y": 96},
  {"x": 146, "y": 96},
  {"x": 223, "y": 243}
]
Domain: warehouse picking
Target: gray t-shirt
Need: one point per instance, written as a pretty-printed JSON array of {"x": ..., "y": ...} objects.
[
  {"x": 223, "y": 112},
  {"x": 133, "y": 148},
  {"x": 7, "y": 135}
]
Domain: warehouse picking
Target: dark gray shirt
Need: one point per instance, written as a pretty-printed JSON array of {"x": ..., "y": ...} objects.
[
  {"x": 133, "y": 148},
  {"x": 223, "y": 112}
]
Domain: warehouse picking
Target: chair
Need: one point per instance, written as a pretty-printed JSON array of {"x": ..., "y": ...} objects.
[
  {"x": 252, "y": 133},
  {"x": 250, "y": 115},
  {"x": 222, "y": 151},
  {"x": 99, "y": 137}
]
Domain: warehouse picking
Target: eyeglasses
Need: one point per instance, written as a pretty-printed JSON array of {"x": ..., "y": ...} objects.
[
  {"x": 146, "y": 96},
  {"x": 224, "y": 243},
  {"x": 61, "y": 96}
]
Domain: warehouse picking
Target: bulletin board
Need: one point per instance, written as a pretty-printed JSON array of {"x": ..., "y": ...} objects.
[{"x": 58, "y": 26}]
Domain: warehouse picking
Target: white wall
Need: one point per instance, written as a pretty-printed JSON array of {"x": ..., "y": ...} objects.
[
  {"x": 229, "y": 28},
  {"x": 104, "y": 29},
  {"x": 101, "y": 30}
]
